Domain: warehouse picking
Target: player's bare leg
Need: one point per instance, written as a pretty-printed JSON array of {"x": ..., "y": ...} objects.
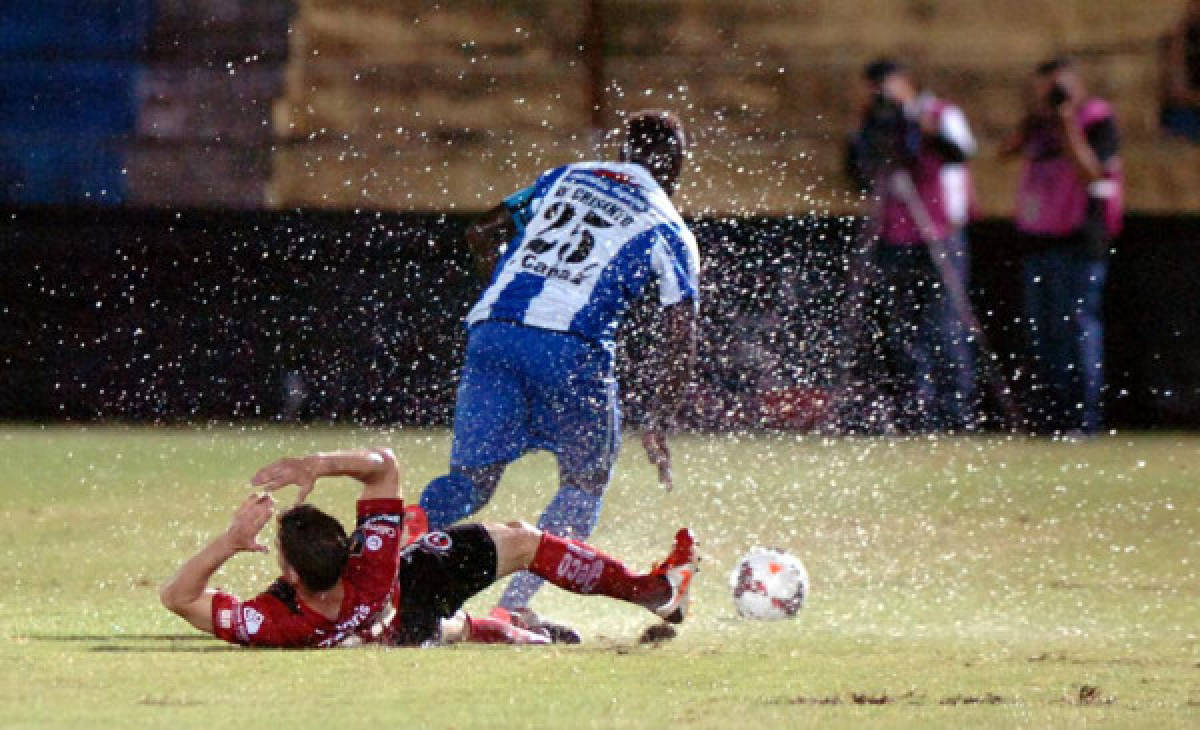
[{"x": 580, "y": 568}]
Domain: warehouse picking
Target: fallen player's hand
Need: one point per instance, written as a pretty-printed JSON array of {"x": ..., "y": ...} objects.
[
  {"x": 655, "y": 444},
  {"x": 285, "y": 472},
  {"x": 248, "y": 521}
]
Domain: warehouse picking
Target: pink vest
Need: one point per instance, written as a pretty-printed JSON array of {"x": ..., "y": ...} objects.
[
  {"x": 1052, "y": 200},
  {"x": 900, "y": 228}
]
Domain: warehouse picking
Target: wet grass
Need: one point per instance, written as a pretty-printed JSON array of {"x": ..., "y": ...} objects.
[{"x": 983, "y": 582}]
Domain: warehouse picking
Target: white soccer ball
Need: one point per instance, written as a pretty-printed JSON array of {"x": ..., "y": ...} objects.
[{"x": 769, "y": 584}]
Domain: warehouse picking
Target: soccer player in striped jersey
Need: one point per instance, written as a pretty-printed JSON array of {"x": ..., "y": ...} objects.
[{"x": 567, "y": 257}]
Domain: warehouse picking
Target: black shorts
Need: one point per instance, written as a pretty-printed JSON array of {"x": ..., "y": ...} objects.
[{"x": 438, "y": 573}]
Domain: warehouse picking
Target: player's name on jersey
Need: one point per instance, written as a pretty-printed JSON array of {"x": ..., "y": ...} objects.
[
  {"x": 596, "y": 202},
  {"x": 621, "y": 188}
]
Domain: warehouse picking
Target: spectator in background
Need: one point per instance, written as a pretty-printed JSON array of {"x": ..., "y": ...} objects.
[
  {"x": 1181, "y": 76},
  {"x": 910, "y": 152},
  {"x": 1068, "y": 210}
]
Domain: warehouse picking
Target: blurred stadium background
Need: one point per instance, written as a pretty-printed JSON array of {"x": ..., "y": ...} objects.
[{"x": 251, "y": 208}]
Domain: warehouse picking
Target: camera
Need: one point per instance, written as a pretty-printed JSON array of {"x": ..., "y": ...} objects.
[
  {"x": 886, "y": 130},
  {"x": 885, "y": 113}
]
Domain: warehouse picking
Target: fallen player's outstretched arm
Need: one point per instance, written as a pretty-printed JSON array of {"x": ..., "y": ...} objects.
[
  {"x": 375, "y": 468},
  {"x": 187, "y": 594}
]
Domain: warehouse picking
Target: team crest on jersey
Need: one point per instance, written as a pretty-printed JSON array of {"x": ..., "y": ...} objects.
[{"x": 438, "y": 542}]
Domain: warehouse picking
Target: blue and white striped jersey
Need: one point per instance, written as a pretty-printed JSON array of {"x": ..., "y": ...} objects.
[{"x": 591, "y": 236}]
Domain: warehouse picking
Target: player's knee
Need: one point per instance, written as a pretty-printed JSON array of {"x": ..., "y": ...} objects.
[
  {"x": 523, "y": 531},
  {"x": 524, "y": 536},
  {"x": 459, "y": 494},
  {"x": 446, "y": 500},
  {"x": 484, "y": 480},
  {"x": 516, "y": 543}
]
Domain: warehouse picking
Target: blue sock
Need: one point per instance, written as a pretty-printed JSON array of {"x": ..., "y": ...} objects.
[
  {"x": 572, "y": 513},
  {"x": 451, "y": 498}
]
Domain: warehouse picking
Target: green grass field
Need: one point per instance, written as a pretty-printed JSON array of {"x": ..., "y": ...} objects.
[{"x": 985, "y": 582}]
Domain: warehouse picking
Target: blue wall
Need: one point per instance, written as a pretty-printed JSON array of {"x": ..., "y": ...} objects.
[{"x": 68, "y": 105}]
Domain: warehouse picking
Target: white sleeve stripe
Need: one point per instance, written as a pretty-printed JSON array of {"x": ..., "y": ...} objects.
[{"x": 669, "y": 287}]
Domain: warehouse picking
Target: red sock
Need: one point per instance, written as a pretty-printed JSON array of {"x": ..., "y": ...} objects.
[
  {"x": 581, "y": 568},
  {"x": 487, "y": 630}
]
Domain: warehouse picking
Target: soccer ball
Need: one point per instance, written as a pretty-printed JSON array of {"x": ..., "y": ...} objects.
[{"x": 768, "y": 584}]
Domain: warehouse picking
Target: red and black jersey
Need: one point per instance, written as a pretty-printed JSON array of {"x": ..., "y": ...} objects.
[{"x": 277, "y": 618}]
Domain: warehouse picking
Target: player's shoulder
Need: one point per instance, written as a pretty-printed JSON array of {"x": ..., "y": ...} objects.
[
  {"x": 674, "y": 238},
  {"x": 669, "y": 220},
  {"x": 660, "y": 203},
  {"x": 600, "y": 168},
  {"x": 375, "y": 550},
  {"x": 545, "y": 181},
  {"x": 626, "y": 174},
  {"x": 611, "y": 166},
  {"x": 689, "y": 250},
  {"x": 268, "y": 619}
]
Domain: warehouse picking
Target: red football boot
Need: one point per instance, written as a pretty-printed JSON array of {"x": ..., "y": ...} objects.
[{"x": 679, "y": 568}]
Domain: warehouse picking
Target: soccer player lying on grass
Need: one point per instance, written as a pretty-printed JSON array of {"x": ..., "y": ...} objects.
[{"x": 338, "y": 589}]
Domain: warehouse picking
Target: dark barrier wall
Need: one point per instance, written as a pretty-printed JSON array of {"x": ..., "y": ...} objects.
[
  {"x": 171, "y": 316},
  {"x": 165, "y": 315}
]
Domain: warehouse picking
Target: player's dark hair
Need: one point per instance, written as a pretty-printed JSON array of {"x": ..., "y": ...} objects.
[
  {"x": 655, "y": 128},
  {"x": 315, "y": 545},
  {"x": 654, "y": 138}
]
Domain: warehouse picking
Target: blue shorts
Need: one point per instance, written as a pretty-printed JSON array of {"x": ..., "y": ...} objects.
[{"x": 525, "y": 388}]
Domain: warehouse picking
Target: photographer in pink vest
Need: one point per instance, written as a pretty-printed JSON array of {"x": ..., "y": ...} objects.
[
  {"x": 910, "y": 155},
  {"x": 1069, "y": 207}
]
